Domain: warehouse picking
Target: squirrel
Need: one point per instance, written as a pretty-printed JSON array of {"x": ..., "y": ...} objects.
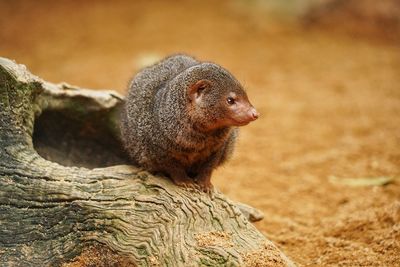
[{"x": 181, "y": 119}]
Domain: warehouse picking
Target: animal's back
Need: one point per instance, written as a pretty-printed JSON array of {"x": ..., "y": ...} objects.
[{"x": 139, "y": 127}]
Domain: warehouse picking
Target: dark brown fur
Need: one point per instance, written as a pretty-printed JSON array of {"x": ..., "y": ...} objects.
[{"x": 177, "y": 121}]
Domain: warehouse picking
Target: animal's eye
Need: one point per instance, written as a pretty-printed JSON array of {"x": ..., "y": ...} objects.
[
  {"x": 230, "y": 100},
  {"x": 201, "y": 88}
]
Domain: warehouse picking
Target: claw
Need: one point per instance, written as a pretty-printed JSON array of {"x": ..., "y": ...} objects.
[
  {"x": 210, "y": 192},
  {"x": 207, "y": 188},
  {"x": 188, "y": 184}
]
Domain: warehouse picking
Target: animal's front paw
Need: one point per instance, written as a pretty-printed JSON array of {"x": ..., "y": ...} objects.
[
  {"x": 186, "y": 183},
  {"x": 206, "y": 187}
]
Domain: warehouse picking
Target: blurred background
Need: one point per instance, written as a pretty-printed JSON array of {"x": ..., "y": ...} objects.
[{"x": 323, "y": 159}]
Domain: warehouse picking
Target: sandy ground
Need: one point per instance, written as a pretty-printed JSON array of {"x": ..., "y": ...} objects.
[{"x": 330, "y": 107}]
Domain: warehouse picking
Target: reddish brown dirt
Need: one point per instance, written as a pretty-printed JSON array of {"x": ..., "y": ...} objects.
[{"x": 330, "y": 106}]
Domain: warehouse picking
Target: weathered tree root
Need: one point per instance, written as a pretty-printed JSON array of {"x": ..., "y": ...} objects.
[{"x": 63, "y": 189}]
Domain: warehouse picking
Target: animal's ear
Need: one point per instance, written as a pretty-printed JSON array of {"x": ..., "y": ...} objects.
[{"x": 197, "y": 89}]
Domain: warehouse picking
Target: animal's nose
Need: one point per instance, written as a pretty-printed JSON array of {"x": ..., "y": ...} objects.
[{"x": 254, "y": 113}]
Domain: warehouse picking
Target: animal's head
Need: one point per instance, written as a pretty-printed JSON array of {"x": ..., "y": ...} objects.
[{"x": 216, "y": 99}]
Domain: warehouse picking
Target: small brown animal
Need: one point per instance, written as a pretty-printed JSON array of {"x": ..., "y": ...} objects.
[{"x": 181, "y": 116}]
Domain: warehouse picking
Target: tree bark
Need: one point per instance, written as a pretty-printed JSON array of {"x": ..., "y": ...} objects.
[{"x": 65, "y": 186}]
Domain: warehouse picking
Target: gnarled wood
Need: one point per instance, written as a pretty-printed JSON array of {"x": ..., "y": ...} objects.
[{"x": 63, "y": 189}]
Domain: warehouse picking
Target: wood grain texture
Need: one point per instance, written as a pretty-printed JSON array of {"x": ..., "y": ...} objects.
[{"x": 54, "y": 202}]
